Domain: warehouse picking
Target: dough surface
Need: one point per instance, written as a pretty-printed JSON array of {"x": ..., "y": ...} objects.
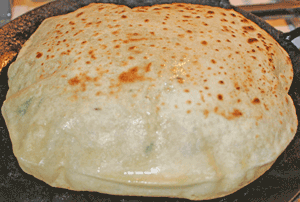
[{"x": 174, "y": 100}]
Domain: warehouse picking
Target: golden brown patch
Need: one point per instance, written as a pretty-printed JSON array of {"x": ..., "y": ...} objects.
[
  {"x": 244, "y": 20},
  {"x": 220, "y": 97},
  {"x": 249, "y": 28},
  {"x": 79, "y": 14},
  {"x": 204, "y": 43},
  {"x": 39, "y": 55},
  {"x": 180, "y": 80},
  {"x": 148, "y": 67},
  {"x": 255, "y": 101},
  {"x": 131, "y": 76},
  {"x": 132, "y": 48},
  {"x": 236, "y": 113},
  {"x": 74, "y": 81},
  {"x": 252, "y": 40},
  {"x": 116, "y": 32},
  {"x": 88, "y": 24},
  {"x": 206, "y": 112},
  {"x": 266, "y": 107},
  {"x": 78, "y": 32},
  {"x": 292, "y": 130}
]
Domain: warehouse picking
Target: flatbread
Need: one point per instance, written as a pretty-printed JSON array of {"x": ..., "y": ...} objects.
[{"x": 175, "y": 100}]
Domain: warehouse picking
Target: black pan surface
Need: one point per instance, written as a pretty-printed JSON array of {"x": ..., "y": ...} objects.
[{"x": 280, "y": 183}]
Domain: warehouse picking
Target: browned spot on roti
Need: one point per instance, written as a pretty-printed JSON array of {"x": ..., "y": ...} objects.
[
  {"x": 157, "y": 109},
  {"x": 252, "y": 40},
  {"x": 79, "y": 14},
  {"x": 206, "y": 112},
  {"x": 249, "y": 28},
  {"x": 236, "y": 113},
  {"x": 180, "y": 80},
  {"x": 216, "y": 109},
  {"x": 116, "y": 32},
  {"x": 292, "y": 130},
  {"x": 92, "y": 54},
  {"x": 148, "y": 67},
  {"x": 98, "y": 93},
  {"x": 78, "y": 32},
  {"x": 39, "y": 55},
  {"x": 255, "y": 101},
  {"x": 132, "y": 48},
  {"x": 266, "y": 107},
  {"x": 131, "y": 76},
  {"x": 220, "y": 97},
  {"x": 204, "y": 43},
  {"x": 74, "y": 81},
  {"x": 244, "y": 20},
  {"x": 88, "y": 24}
]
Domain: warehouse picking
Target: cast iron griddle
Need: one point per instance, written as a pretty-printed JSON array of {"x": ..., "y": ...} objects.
[{"x": 280, "y": 183}]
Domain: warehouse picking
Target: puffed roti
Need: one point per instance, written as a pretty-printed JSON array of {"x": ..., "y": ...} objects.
[{"x": 174, "y": 100}]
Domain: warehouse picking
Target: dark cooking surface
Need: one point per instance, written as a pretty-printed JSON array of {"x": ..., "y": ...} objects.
[{"x": 280, "y": 183}]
